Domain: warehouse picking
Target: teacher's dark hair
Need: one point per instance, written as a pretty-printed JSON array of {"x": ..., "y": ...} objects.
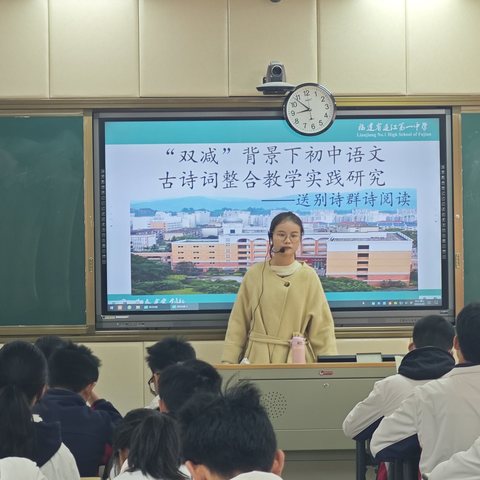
[
  {"x": 284, "y": 217},
  {"x": 277, "y": 220}
]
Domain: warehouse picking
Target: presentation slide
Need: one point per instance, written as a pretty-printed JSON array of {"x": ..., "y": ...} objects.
[{"x": 188, "y": 203}]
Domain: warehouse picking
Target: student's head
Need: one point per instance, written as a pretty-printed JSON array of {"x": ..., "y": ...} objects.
[
  {"x": 49, "y": 343},
  {"x": 74, "y": 367},
  {"x": 166, "y": 352},
  {"x": 23, "y": 376},
  {"x": 467, "y": 340},
  {"x": 155, "y": 447},
  {"x": 433, "y": 331},
  {"x": 286, "y": 231},
  {"x": 122, "y": 437},
  {"x": 223, "y": 436},
  {"x": 181, "y": 381}
]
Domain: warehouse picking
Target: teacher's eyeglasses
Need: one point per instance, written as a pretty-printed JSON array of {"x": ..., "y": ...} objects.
[{"x": 294, "y": 236}]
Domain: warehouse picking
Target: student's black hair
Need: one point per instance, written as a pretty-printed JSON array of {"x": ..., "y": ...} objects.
[
  {"x": 468, "y": 332},
  {"x": 122, "y": 434},
  {"x": 155, "y": 448},
  {"x": 229, "y": 434},
  {"x": 49, "y": 343},
  {"x": 168, "y": 351},
  {"x": 23, "y": 376},
  {"x": 73, "y": 367},
  {"x": 433, "y": 331},
  {"x": 181, "y": 381}
]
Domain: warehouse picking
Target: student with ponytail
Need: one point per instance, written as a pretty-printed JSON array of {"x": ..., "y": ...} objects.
[
  {"x": 23, "y": 376},
  {"x": 122, "y": 437},
  {"x": 155, "y": 452}
]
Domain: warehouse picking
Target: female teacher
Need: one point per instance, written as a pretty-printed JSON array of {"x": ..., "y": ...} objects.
[{"x": 277, "y": 300}]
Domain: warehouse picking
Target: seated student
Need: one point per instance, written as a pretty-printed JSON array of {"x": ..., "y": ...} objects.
[
  {"x": 49, "y": 343},
  {"x": 181, "y": 381},
  {"x": 86, "y": 430},
  {"x": 229, "y": 437},
  {"x": 23, "y": 378},
  {"x": 154, "y": 450},
  {"x": 429, "y": 358},
  {"x": 122, "y": 437},
  {"x": 461, "y": 466},
  {"x": 167, "y": 351},
  {"x": 16, "y": 468},
  {"x": 443, "y": 415}
]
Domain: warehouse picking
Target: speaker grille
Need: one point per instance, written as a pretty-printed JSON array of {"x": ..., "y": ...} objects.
[{"x": 275, "y": 404}]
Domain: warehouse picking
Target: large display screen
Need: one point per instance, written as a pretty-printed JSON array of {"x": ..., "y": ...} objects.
[{"x": 184, "y": 200}]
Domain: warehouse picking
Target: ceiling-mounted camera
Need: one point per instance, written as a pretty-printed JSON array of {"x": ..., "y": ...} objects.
[{"x": 274, "y": 82}]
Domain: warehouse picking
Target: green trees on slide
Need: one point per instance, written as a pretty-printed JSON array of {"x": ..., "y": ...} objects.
[{"x": 151, "y": 277}]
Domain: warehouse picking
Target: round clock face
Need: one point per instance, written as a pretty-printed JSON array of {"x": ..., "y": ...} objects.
[{"x": 310, "y": 109}]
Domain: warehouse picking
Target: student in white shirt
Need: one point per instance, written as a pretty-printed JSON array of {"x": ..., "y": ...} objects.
[
  {"x": 443, "y": 415},
  {"x": 16, "y": 468},
  {"x": 462, "y": 466},
  {"x": 429, "y": 357}
]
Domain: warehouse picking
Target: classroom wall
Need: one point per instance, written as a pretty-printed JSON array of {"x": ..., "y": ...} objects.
[
  {"x": 134, "y": 49},
  {"x": 167, "y": 48}
]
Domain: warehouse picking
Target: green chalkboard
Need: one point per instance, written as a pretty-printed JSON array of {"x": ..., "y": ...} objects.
[
  {"x": 42, "y": 242},
  {"x": 471, "y": 204}
]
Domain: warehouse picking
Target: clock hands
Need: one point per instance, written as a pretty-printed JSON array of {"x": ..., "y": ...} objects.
[
  {"x": 307, "y": 108},
  {"x": 303, "y": 105}
]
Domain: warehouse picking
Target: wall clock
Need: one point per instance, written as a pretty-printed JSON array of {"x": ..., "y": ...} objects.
[{"x": 309, "y": 109}]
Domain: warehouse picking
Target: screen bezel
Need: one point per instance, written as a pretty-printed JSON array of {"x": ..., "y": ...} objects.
[{"x": 392, "y": 317}]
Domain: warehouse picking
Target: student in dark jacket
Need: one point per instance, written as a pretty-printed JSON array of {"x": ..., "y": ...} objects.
[{"x": 86, "y": 420}]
